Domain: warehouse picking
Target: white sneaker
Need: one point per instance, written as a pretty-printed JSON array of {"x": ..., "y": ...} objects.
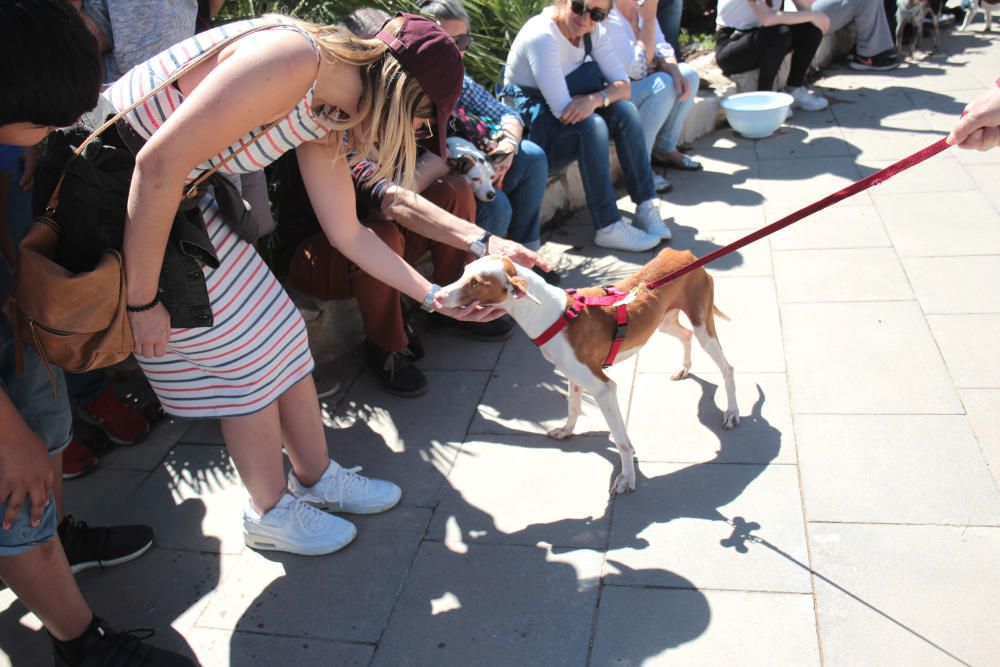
[
  {"x": 623, "y": 236},
  {"x": 661, "y": 184},
  {"x": 295, "y": 527},
  {"x": 344, "y": 490},
  {"x": 647, "y": 218},
  {"x": 807, "y": 100}
]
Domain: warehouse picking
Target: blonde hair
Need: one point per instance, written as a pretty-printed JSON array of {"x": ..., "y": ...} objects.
[{"x": 382, "y": 129}]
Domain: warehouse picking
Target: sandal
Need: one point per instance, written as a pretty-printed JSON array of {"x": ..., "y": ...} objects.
[{"x": 684, "y": 164}]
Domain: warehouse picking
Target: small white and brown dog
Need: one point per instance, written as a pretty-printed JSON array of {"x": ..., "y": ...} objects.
[
  {"x": 987, "y": 7},
  {"x": 579, "y": 350},
  {"x": 465, "y": 159},
  {"x": 912, "y": 13}
]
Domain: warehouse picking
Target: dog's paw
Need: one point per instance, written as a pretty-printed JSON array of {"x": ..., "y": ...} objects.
[
  {"x": 560, "y": 433},
  {"x": 730, "y": 419},
  {"x": 622, "y": 485},
  {"x": 680, "y": 374}
]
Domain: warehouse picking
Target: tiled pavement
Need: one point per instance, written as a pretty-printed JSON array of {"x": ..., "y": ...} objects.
[{"x": 852, "y": 518}]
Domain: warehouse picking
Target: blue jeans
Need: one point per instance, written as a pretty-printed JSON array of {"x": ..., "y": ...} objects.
[
  {"x": 661, "y": 114},
  {"x": 516, "y": 212},
  {"x": 668, "y": 15},
  {"x": 586, "y": 143}
]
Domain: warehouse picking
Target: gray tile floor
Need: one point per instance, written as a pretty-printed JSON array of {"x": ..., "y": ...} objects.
[{"x": 852, "y": 518}]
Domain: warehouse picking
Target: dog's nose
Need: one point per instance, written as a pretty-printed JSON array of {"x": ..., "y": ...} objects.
[{"x": 491, "y": 195}]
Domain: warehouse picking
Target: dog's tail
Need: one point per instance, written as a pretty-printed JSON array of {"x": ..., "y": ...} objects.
[{"x": 720, "y": 313}]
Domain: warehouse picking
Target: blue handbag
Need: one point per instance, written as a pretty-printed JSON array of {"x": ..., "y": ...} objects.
[{"x": 588, "y": 77}]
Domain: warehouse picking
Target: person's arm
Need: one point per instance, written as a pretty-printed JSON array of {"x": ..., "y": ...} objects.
[
  {"x": 422, "y": 216},
  {"x": 647, "y": 30},
  {"x": 627, "y": 47},
  {"x": 769, "y": 17},
  {"x": 25, "y": 473},
  {"x": 543, "y": 56},
  {"x": 477, "y": 101},
  {"x": 430, "y": 167},
  {"x": 979, "y": 128},
  {"x": 225, "y": 105}
]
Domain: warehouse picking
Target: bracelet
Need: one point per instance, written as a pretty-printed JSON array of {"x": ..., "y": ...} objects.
[
  {"x": 148, "y": 306},
  {"x": 428, "y": 303}
]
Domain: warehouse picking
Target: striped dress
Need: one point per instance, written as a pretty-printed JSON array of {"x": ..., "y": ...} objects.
[{"x": 257, "y": 347}]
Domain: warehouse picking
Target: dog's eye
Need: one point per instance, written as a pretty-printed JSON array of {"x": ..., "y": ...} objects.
[{"x": 473, "y": 282}]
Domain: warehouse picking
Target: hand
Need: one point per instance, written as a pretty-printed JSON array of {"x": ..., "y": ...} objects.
[
  {"x": 979, "y": 128},
  {"x": 580, "y": 108},
  {"x": 30, "y": 158},
  {"x": 25, "y": 473},
  {"x": 517, "y": 253},
  {"x": 150, "y": 328},
  {"x": 821, "y": 21},
  {"x": 502, "y": 160},
  {"x": 681, "y": 84},
  {"x": 470, "y": 313}
]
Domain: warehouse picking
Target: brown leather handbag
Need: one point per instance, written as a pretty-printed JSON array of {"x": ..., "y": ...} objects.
[{"x": 78, "y": 321}]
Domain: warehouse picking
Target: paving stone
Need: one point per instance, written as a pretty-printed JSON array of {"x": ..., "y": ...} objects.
[
  {"x": 103, "y": 497},
  {"x": 719, "y": 202},
  {"x": 983, "y": 408},
  {"x": 679, "y": 515},
  {"x": 968, "y": 344},
  {"x": 788, "y": 185},
  {"x": 906, "y": 595},
  {"x": 750, "y": 339},
  {"x": 651, "y": 626},
  {"x": 864, "y": 358},
  {"x": 791, "y": 142},
  {"x": 221, "y": 647},
  {"x": 924, "y": 177},
  {"x": 986, "y": 177},
  {"x": 838, "y": 227},
  {"x": 682, "y": 421},
  {"x": 528, "y": 490},
  {"x": 881, "y": 143},
  {"x": 344, "y": 596},
  {"x": 411, "y": 441},
  {"x": 856, "y": 274},
  {"x": 955, "y": 284},
  {"x": 495, "y": 605},
  {"x": 894, "y": 469},
  {"x": 150, "y": 451},
  {"x": 204, "y": 432},
  {"x": 749, "y": 261},
  {"x": 526, "y": 395},
  {"x": 929, "y": 224},
  {"x": 448, "y": 349},
  {"x": 194, "y": 501}
]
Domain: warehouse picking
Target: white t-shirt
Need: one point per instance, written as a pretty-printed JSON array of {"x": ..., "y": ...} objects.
[
  {"x": 738, "y": 14},
  {"x": 629, "y": 49},
  {"x": 541, "y": 57}
]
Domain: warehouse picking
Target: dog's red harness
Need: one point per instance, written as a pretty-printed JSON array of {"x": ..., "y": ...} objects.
[{"x": 612, "y": 297}]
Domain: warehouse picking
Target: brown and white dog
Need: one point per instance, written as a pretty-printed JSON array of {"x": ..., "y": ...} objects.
[
  {"x": 579, "y": 350},
  {"x": 987, "y": 7},
  {"x": 912, "y": 13}
]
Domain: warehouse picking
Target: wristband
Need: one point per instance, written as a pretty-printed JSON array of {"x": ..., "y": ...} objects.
[
  {"x": 142, "y": 309},
  {"x": 607, "y": 100},
  {"x": 428, "y": 302}
]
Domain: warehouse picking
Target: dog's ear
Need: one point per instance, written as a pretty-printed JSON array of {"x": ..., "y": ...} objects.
[
  {"x": 461, "y": 164},
  {"x": 519, "y": 289}
]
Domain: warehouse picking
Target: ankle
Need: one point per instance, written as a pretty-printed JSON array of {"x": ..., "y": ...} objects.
[{"x": 71, "y": 649}]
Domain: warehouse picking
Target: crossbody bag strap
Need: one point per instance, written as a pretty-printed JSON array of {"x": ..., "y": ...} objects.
[{"x": 181, "y": 71}]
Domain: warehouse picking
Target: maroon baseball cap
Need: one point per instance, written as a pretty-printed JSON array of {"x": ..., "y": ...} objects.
[{"x": 429, "y": 54}]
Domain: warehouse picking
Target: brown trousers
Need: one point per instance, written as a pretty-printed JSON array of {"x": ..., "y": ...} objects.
[{"x": 323, "y": 272}]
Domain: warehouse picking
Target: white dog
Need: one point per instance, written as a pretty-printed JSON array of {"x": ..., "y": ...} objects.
[
  {"x": 465, "y": 159},
  {"x": 912, "y": 12},
  {"x": 987, "y": 7}
]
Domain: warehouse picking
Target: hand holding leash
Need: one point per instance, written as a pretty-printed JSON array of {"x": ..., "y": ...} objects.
[{"x": 979, "y": 127}]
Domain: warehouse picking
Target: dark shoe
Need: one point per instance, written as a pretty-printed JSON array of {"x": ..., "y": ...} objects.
[
  {"x": 122, "y": 423},
  {"x": 880, "y": 62},
  {"x": 395, "y": 370},
  {"x": 78, "y": 460},
  {"x": 88, "y": 546},
  {"x": 499, "y": 329},
  {"x": 551, "y": 277},
  {"x": 101, "y": 645},
  {"x": 685, "y": 163}
]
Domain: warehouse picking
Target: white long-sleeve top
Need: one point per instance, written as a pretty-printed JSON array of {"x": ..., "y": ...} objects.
[
  {"x": 629, "y": 48},
  {"x": 541, "y": 57}
]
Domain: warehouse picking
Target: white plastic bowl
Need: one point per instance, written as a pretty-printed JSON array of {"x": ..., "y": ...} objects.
[{"x": 756, "y": 115}]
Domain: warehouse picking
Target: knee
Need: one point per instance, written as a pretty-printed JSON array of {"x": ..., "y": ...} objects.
[
  {"x": 535, "y": 162},
  {"x": 595, "y": 129},
  {"x": 692, "y": 76},
  {"x": 780, "y": 37}
]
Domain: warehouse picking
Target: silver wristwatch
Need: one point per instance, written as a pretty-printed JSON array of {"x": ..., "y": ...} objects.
[
  {"x": 481, "y": 246},
  {"x": 428, "y": 302}
]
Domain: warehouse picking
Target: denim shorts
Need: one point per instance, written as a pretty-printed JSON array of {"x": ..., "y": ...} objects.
[{"x": 47, "y": 415}]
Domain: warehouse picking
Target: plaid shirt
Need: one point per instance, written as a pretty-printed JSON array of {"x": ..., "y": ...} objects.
[{"x": 478, "y": 102}]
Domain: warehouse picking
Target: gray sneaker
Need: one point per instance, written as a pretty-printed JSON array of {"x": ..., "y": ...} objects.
[
  {"x": 344, "y": 490},
  {"x": 623, "y": 236},
  {"x": 296, "y": 527}
]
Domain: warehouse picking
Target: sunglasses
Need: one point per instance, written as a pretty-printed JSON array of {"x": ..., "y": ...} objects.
[
  {"x": 463, "y": 41},
  {"x": 426, "y": 130},
  {"x": 596, "y": 15}
]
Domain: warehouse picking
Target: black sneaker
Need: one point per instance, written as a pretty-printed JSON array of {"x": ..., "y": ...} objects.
[
  {"x": 551, "y": 277},
  {"x": 88, "y": 546},
  {"x": 395, "y": 370},
  {"x": 100, "y": 645},
  {"x": 499, "y": 329},
  {"x": 880, "y": 62}
]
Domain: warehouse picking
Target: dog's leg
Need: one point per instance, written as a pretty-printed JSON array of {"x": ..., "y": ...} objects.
[
  {"x": 900, "y": 27},
  {"x": 711, "y": 345},
  {"x": 575, "y": 400},
  {"x": 607, "y": 398},
  {"x": 988, "y": 17},
  {"x": 937, "y": 32},
  {"x": 968, "y": 17},
  {"x": 671, "y": 325}
]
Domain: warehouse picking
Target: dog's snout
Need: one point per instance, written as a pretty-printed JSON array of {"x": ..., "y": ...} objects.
[{"x": 490, "y": 195}]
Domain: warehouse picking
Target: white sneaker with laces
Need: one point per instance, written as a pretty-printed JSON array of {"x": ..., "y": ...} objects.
[
  {"x": 647, "y": 218},
  {"x": 807, "y": 100},
  {"x": 295, "y": 527},
  {"x": 661, "y": 184},
  {"x": 344, "y": 490},
  {"x": 623, "y": 236}
]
